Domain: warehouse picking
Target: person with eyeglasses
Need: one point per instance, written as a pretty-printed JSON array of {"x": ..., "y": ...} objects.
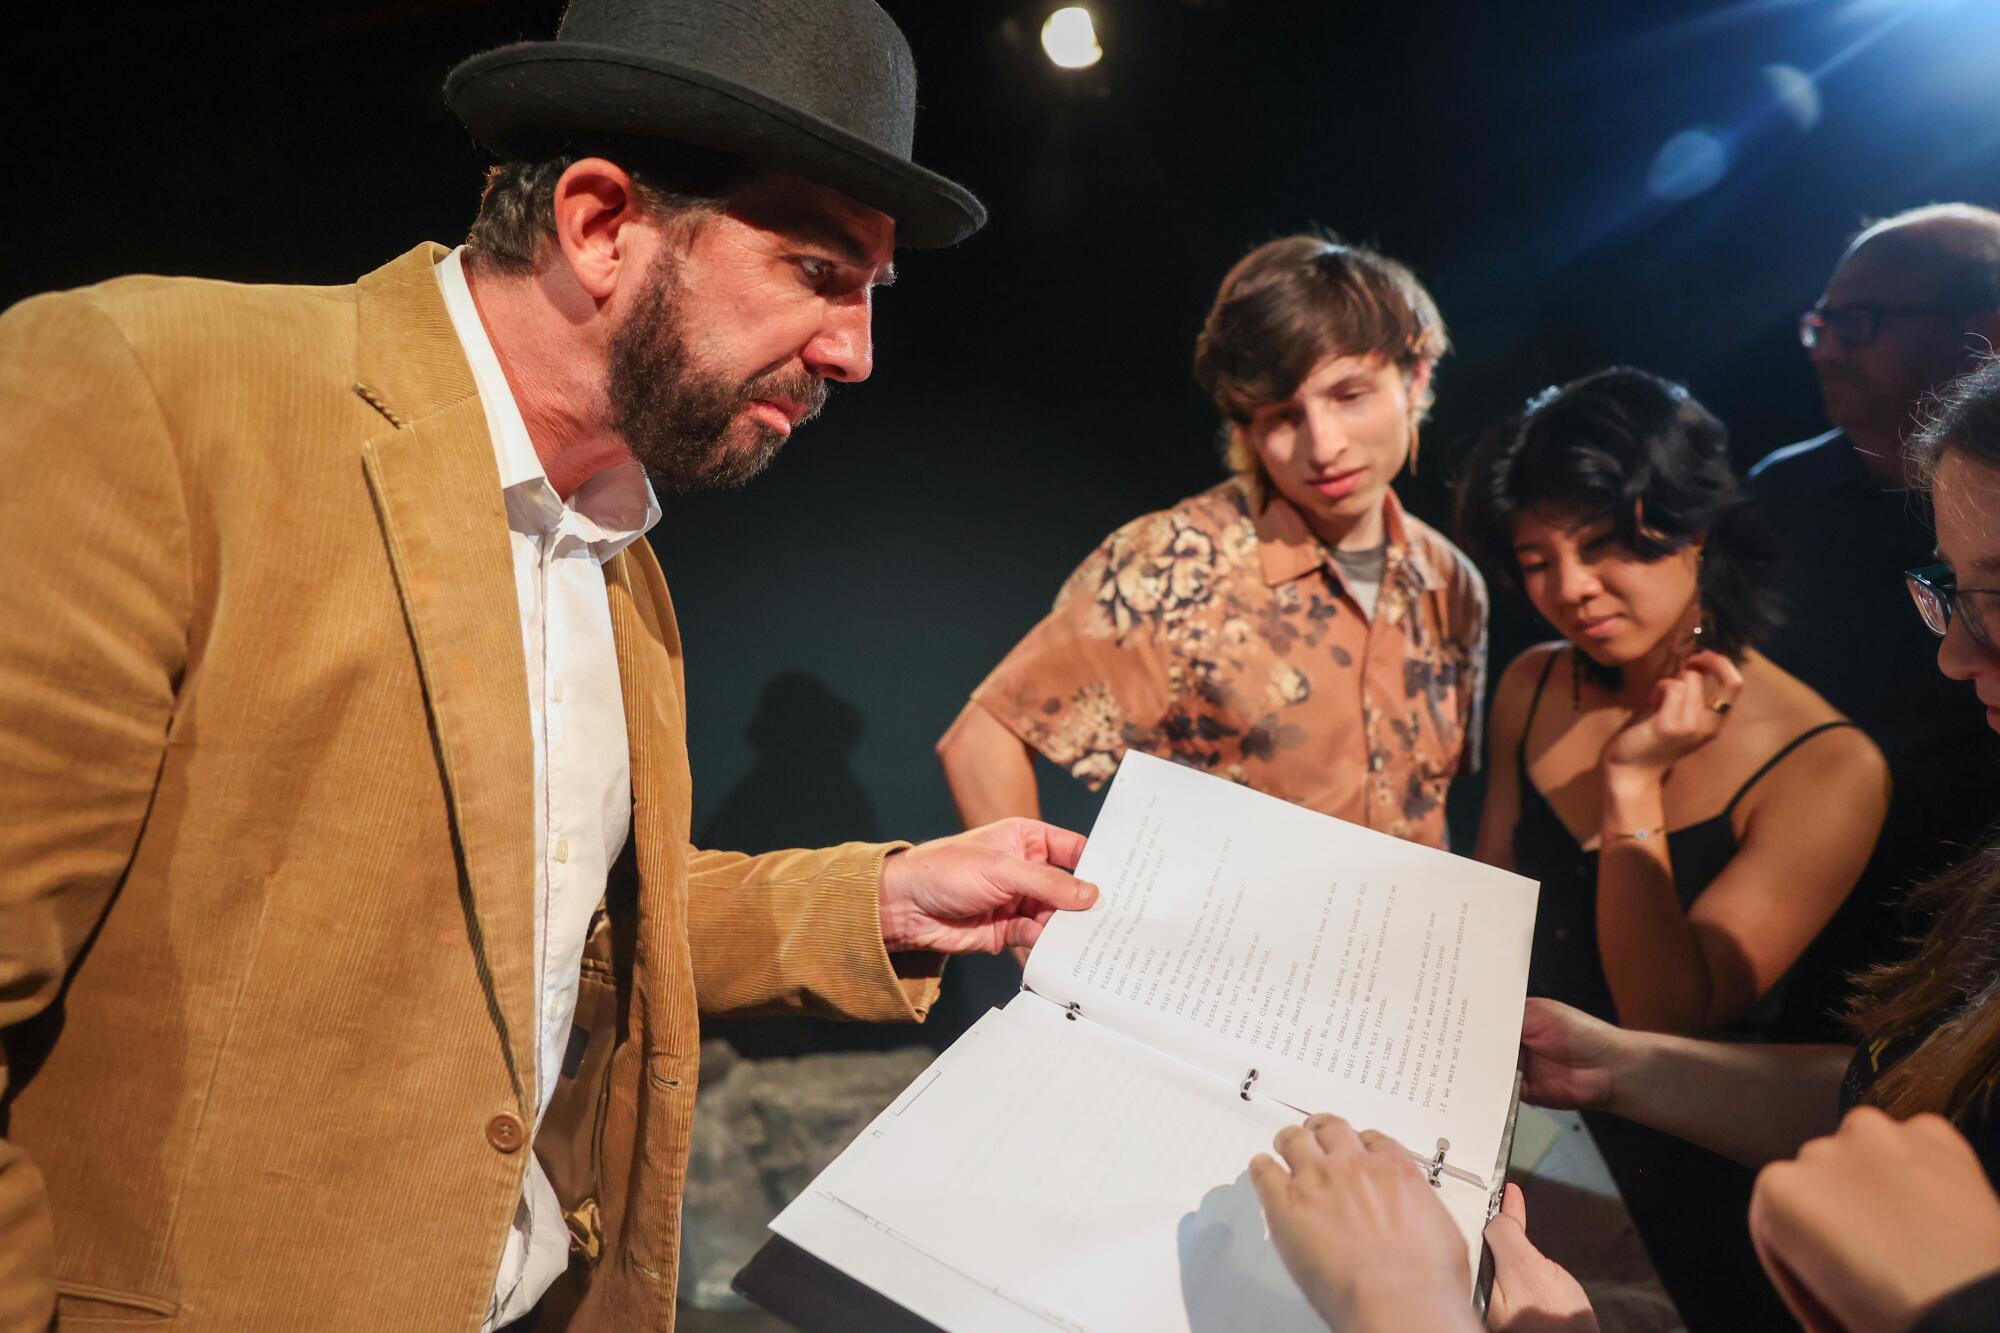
[{"x": 1912, "y": 300}]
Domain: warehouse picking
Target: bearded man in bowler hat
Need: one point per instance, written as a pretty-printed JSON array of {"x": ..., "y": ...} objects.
[{"x": 351, "y": 945}]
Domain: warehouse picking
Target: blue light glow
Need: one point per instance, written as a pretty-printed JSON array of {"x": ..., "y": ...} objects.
[{"x": 1688, "y": 164}]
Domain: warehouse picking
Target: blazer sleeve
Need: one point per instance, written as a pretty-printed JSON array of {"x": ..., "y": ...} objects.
[
  {"x": 801, "y": 932},
  {"x": 95, "y": 608}
]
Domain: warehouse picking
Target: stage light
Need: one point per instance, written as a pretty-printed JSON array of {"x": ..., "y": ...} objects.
[{"x": 1070, "y": 38}]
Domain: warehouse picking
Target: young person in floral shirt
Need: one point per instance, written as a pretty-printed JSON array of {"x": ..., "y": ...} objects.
[{"x": 1293, "y": 628}]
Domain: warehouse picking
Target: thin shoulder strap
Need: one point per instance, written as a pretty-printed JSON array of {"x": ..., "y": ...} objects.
[
  {"x": 1534, "y": 706},
  {"x": 1729, "y": 810}
]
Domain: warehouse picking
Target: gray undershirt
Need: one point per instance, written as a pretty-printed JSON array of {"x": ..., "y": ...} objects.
[{"x": 1362, "y": 572}]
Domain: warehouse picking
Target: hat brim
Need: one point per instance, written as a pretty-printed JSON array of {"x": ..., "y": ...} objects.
[{"x": 511, "y": 99}]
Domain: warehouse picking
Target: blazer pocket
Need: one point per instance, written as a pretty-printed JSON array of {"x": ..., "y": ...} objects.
[
  {"x": 78, "y": 1304},
  {"x": 569, "y": 1142}
]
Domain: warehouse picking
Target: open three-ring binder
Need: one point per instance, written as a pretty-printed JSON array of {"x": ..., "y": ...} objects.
[{"x": 1078, "y": 1160}]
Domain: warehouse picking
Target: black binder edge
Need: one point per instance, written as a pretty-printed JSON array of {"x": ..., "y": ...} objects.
[
  {"x": 1482, "y": 1289},
  {"x": 811, "y": 1294}
]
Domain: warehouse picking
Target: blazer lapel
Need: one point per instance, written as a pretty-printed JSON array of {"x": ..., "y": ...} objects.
[
  {"x": 437, "y": 495},
  {"x": 649, "y": 680}
]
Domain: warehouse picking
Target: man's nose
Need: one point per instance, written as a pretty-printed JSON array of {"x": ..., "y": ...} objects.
[
  {"x": 1828, "y": 346},
  {"x": 1325, "y": 437},
  {"x": 844, "y": 347}
]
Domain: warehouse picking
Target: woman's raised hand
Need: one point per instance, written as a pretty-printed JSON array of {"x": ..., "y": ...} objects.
[{"x": 1685, "y": 712}]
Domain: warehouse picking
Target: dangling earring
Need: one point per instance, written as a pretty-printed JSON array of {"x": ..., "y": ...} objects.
[
  {"x": 1415, "y": 441},
  {"x": 1703, "y": 634}
]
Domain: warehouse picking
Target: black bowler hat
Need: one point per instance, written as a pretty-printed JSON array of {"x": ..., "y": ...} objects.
[{"x": 822, "y": 88}]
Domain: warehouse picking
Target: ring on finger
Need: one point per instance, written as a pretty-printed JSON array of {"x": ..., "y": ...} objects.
[{"x": 1719, "y": 706}]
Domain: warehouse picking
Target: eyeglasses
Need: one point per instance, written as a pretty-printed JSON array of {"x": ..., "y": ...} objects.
[
  {"x": 1857, "y": 325},
  {"x": 1935, "y": 590}
]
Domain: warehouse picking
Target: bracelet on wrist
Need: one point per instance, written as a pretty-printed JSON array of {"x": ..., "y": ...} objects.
[{"x": 1637, "y": 834}]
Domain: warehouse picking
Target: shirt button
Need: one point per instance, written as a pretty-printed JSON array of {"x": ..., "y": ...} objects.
[
  {"x": 562, "y": 849},
  {"x": 1375, "y": 762},
  {"x": 505, "y": 1132}
]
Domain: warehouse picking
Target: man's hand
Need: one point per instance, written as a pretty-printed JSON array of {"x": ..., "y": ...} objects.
[
  {"x": 1872, "y": 1225},
  {"x": 982, "y": 890},
  {"x": 1531, "y": 1292},
  {"x": 1361, "y": 1231}
]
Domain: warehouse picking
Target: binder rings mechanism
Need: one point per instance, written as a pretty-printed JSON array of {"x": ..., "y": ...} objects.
[
  {"x": 1072, "y": 1011},
  {"x": 1435, "y": 1167}
]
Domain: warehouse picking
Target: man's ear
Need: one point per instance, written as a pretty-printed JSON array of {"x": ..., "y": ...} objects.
[{"x": 595, "y": 205}]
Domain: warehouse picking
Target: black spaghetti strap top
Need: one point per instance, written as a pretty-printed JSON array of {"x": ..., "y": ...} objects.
[{"x": 1565, "y": 964}]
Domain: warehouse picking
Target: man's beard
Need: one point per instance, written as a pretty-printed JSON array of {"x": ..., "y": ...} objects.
[{"x": 680, "y": 423}]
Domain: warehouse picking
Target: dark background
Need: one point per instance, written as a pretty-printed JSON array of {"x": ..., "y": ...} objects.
[{"x": 1032, "y": 389}]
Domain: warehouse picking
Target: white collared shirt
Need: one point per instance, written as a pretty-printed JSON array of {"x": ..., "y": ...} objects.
[{"x": 583, "y": 779}]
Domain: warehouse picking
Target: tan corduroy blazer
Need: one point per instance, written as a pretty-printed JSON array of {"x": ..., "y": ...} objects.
[{"x": 266, "y": 864}]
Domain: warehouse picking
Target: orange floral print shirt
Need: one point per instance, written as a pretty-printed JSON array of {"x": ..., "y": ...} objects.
[{"x": 1221, "y": 635}]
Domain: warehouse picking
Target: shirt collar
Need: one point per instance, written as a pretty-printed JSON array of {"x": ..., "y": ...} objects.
[
  {"x": 612, "y": 509},
  {"x": 1287, "y": 548}
]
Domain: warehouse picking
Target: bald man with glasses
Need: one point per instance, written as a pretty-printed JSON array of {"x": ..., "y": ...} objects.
[{"x": 1913, "y": 300}]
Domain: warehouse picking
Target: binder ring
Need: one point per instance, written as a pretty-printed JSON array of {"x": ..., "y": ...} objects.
[
  {"x": 1249, "y": 1081},
  {"x": 1436, "y": 1165},
  {"x": 1073, "y": 1011}
]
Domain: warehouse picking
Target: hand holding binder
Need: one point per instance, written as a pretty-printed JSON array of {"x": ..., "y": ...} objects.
[
  {"x": 1361, "y": 1229},
  {"x": 1531, "y": 1290},
  {"x": 1568, "y": 1057},
  {"x": 983, "y": 890}
]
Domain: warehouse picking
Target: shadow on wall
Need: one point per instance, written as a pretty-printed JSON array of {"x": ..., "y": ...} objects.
[{"x": 801, "y": 791}]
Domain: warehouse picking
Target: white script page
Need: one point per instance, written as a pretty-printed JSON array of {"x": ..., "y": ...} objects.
[
  {"x": 1355, "y": 972},
  {"x": 1069, "y": 1178}
]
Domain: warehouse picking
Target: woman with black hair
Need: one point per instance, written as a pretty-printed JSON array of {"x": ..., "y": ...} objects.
[
  {"x": 1695, "y": 814},
  {"x": 1666, "y": 783}
]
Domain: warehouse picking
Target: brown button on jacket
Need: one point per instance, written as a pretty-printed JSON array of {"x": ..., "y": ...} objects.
[{"x": 266, "y": 880}]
